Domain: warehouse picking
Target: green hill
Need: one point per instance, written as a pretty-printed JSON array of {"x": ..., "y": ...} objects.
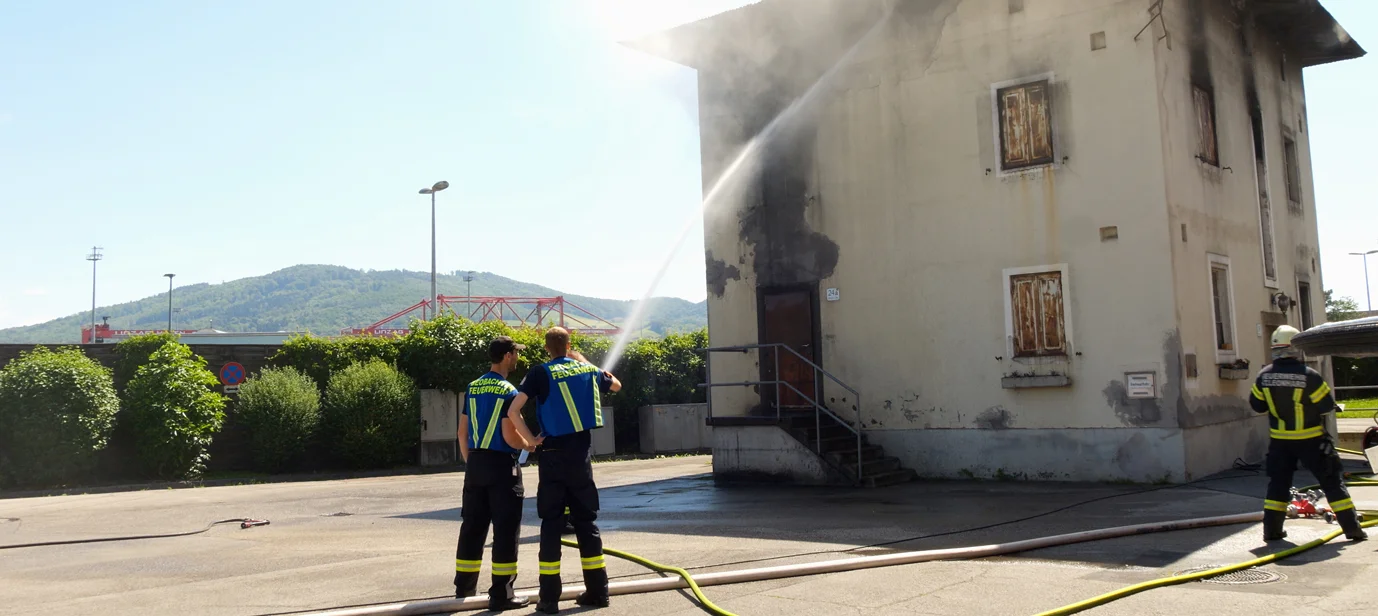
[{"x": 323, "y": 299}]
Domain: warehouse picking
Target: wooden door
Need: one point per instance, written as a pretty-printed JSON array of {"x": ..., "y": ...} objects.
[{"x": 788, "y": 317}]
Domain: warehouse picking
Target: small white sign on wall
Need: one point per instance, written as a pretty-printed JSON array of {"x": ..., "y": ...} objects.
[
  {"x": 1141, "y": 385},
  {"x": 834, "y": 294}
]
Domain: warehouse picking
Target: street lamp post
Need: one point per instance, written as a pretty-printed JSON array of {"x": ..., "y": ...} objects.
[
  {"x": 1368, "y": 294},
  {"x": 93, "y": 257},
  {"x": 435, "y": 188},
  {"x": 169, "y": 301},
  {"x": 469, "y": 293}
]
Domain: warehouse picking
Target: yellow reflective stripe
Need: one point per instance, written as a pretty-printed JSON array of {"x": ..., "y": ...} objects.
[
  {"x": 597, "y": 405},
  {"x": 569, "y": 403},
  {"x": 468, "y": 566},
  {"x": 1342, "y": 505},
  {"x": 550, "y": 568},
  {"x": 1320, "y": 393},
  {"x": 492, "y": 426},
  {"x": 1272, "y": 505},
  {"x": 1258, "y": 393},
  {"x": 1272, "y": 408},
  {"x": 1298, "y": 435},
  {"x": 504, "y": 568},
  {"x": 592, "y": 562},
  {"x": 473, "y": 420},
  {"x": 1300, "y": 411}
]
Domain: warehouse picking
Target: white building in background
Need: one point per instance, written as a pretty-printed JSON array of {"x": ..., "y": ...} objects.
[{"x": 1041, "y": 238}]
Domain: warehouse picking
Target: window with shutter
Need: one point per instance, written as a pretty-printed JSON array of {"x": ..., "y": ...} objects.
[
  {"x": 1026, "y": 129},
  {"x": 1037, "y": 314},
  {"x": 1206, "y": 142}
]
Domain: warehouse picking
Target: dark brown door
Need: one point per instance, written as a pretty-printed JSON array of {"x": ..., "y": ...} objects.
[{"x": 787, "y": 317}]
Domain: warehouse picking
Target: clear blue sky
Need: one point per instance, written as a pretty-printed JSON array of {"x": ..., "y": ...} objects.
[{"x": 224, "y": 140}]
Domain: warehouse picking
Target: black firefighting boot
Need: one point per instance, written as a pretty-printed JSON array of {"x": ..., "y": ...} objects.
[
  {"x": 503, "y": 603},
  {"x": 551, "y": 585},
  {"x": 1272, "y": 525},
  {"x": 1349, "y": 521},
  {"x": 596, "y": 581}
]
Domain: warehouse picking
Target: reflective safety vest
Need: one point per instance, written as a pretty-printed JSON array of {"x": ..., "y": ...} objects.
[
  {"x": 484, "y": 404},
  {"x": 573, "y": 404},
  {"x": 1295, "y": 398}
]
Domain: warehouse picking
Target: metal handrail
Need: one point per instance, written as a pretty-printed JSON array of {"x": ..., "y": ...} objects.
[{"x": 819, "y": 409}]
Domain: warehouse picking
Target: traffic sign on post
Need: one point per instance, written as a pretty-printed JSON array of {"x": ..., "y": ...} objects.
[{"x": 231, "y": 375}]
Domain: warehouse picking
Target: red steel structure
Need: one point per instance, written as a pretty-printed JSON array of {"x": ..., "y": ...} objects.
[{"x": 520, "y": 311}]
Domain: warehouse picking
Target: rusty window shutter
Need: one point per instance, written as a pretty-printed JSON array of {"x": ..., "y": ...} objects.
[
  {"x": 1039, "y": 322},
  {"x": 1289, "y": 148},
  {"x": 1050, "y": 309},
  {"x": 1025, "y": 319},
  {"x": 1207, "y": 145},
  {"x": 1026, "y": 127}
]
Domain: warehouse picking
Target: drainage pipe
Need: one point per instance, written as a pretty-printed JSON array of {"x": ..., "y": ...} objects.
[{"x": 802, "y": 569}]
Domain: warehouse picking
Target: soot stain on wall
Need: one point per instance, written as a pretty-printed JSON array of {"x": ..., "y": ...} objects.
[
  {"x": 788, "y": 250},
  {"x": 718, "y": 273},
  {"x": 995, "y": 418}
]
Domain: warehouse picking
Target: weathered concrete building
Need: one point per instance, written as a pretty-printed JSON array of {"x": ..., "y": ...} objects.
[{"x": 1040, "y": 238}]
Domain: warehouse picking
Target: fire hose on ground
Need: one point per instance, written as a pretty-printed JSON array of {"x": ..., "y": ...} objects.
[
  {"x": 815, "y": 568},
  {"x": 685, "y": 580}
]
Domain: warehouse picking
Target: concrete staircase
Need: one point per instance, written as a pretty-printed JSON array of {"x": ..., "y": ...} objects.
[{"x": 839, "y": 451}]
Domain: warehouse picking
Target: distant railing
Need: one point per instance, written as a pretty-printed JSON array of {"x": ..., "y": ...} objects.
[{"x": 1354, "y": 388}]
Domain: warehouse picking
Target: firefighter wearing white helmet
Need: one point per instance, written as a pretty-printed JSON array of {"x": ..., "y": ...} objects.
[{"x": 1296, "y": 399}]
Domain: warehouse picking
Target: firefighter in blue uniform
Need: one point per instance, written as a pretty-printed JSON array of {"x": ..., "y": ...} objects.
[
  {"x": 493, "y": 489},
  {"x": 567, "y": 391},
  {"x": 1296, "y": 399}
]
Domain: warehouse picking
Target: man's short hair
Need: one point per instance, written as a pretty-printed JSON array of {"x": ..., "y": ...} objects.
[
  {"x": 501, "y": 346},
  {"x": 557, "y": 340}
]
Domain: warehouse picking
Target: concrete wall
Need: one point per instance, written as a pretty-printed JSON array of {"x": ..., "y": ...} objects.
[
  {"x": 755, "y": 453},
  {"x": 604, "y": 442},
  {"x": 900, "y": 173},
  {"x": 886, "y": 185},
  {"x": 669, "y": 428},
  {"x": 440, "y": 427},
  {"x": 1215, "y": 210},
  {"x": 1089, "y": 454}
]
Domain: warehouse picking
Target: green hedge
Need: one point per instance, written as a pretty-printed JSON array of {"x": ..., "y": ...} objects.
[
  {"x": 449, "y": 351},
  {"x": 371, "y": 417},
  {"x": 281, "y": 408},
  {"x": 364, "y": 391},
  {"x": 57, "y": 409},
  {"x": 173, "y": 413},
  {"x": 319, "y": 358}
]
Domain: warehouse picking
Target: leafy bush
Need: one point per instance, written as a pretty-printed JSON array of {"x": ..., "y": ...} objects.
[
  {"x": 281, "y": 408},
  {"x": 173, "y": 413},
  {"x": 319, "y": 358},
  {"x": 57, "y": 409},
  {"x": 448, "y": 351},
  {"x": 371, "y": 417},
  {"x": 133, "y": 352}
]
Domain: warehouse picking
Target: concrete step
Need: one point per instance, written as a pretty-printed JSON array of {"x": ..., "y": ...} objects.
[
  {"x": 808, "y": 423},
  {"x": 890, "y": 478},
  {"x": 837, "y": 443},
  {"x": 847, "y": 455},
  {"x": 874, "y": 467}
]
